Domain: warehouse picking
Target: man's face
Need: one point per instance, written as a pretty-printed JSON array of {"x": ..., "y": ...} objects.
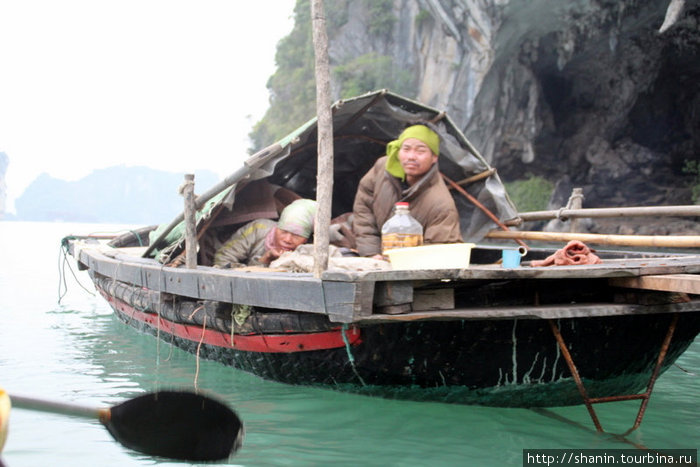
[
  {"x": 287, "y": 240},
  {"x": 416, "y": 159}
]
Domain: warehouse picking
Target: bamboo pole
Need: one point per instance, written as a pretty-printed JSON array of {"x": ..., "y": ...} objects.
[
  {"x": 575, "y": 202},
  {"x": 324, "y": 174},
  {"x": 661, "y": 241},
  {"x": 475, "y": 178},
  {"x": 640, "y": 211}
]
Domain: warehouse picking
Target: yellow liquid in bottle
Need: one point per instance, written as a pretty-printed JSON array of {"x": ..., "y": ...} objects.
[{"x": 400, "y": 240}]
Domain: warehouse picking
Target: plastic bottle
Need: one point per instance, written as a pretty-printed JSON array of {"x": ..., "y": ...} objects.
[{"x": 401, "y": 230}]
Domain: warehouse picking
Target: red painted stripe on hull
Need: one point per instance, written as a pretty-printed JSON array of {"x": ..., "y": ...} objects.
[{"x": 273, "y": 343}]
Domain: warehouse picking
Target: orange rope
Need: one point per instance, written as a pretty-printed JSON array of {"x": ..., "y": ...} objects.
[{"x": 476, "y": 203}]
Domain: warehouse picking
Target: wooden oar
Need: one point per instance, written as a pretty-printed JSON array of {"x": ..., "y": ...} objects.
[
  {"x": 177, "y": 425},
  {"x": 4, "y": 417}
]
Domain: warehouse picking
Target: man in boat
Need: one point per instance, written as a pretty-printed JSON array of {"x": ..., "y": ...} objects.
[
  {"x": 409, "y": 172},
  {"x": 262, "y": 241}
]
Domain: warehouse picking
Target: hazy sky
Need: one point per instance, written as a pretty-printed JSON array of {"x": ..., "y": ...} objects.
[{"x": 170, "y": 84}]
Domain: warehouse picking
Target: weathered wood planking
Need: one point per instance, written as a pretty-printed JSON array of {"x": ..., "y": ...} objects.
[
  {"x": 351, "y": 296},
  {"x": 344, "y": 304},
  {"x": 389, "y": 295},
  {"x": 686, "y": 283},
  {"x": 628, "y": 267},
  {"x": 434, "y": 299},
  {"x": 393, "y": 293},
  {"x": 538, "y": 312},
  {"x": 282, "y": 290}
]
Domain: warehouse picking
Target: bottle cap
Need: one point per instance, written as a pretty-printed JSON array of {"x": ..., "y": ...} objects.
[{"x": 402, "y": 203}]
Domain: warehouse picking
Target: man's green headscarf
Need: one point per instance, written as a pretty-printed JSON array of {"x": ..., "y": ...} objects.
[{"x": 421, "y": 132}]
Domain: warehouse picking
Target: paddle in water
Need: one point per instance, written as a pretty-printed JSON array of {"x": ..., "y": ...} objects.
[{"x": 173, "y": 424}]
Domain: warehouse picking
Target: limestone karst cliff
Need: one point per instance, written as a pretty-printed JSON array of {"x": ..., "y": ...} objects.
[{"x": 599, "y": 94}]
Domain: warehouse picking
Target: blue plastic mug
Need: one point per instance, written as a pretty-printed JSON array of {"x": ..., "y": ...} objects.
[{"x": 511, "y": 257}]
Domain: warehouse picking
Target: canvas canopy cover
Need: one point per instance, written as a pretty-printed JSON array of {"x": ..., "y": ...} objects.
[{"x": 362, "y": 126}]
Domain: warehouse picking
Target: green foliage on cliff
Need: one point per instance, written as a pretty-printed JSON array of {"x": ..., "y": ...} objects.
[
  {"x": 423, "y": 17},
  {"x": 369, "y": 72},
  {"x": 293, "y": 88},
  {"x": 531, "y": 194},
  {"x": 381, "y": 17},
  {"x": 336, "y": 14}
]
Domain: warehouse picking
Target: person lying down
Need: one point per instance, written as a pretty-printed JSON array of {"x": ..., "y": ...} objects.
[
  {"x": 282, "y": 244},
  {"x": 261, "y": 241}
]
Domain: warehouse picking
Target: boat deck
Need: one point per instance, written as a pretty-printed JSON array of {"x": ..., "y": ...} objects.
[{"x": 401, "y": 295}]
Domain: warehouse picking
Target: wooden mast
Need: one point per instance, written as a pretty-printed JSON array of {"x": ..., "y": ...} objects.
[
  {"x": 324, "y": 174},
  {"x": 190, "y": 222}
]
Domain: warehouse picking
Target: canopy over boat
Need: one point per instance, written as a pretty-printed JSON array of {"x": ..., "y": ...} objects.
[{"x": 362, "y": 126}]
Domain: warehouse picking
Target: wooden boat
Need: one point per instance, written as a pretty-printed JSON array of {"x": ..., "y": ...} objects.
[{"x": 481, "y": 334}]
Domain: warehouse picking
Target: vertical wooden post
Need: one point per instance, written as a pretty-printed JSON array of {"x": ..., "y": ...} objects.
[
  {"x": 575, "y": 202},
  {"x": 324, "y": 173},
  {"x": 190, "y": 223}
]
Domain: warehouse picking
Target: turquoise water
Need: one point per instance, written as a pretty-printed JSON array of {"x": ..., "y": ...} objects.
[{"x": 78, "y": 352}]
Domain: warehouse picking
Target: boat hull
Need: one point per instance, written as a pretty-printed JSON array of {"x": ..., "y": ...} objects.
[{"x": 509, "y": 363}]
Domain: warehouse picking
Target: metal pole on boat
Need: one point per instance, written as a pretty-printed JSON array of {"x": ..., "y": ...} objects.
[
  {"x": 324, "y": 173},
  {"x": 190, "y": 223}
]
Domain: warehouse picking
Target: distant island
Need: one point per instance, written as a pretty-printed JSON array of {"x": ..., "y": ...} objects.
[{"x": 122, "y": 195}]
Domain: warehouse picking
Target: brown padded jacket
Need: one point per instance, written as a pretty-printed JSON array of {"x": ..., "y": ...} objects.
[{"x": 431, "y": 204}]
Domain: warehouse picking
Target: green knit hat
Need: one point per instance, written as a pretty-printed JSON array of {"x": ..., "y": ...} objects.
[
  {"x": 298, "y": 217},
  {"x": 420, "y": 132}
]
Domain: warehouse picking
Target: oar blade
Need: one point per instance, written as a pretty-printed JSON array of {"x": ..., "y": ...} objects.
[{"x": 177, "y": 425}]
